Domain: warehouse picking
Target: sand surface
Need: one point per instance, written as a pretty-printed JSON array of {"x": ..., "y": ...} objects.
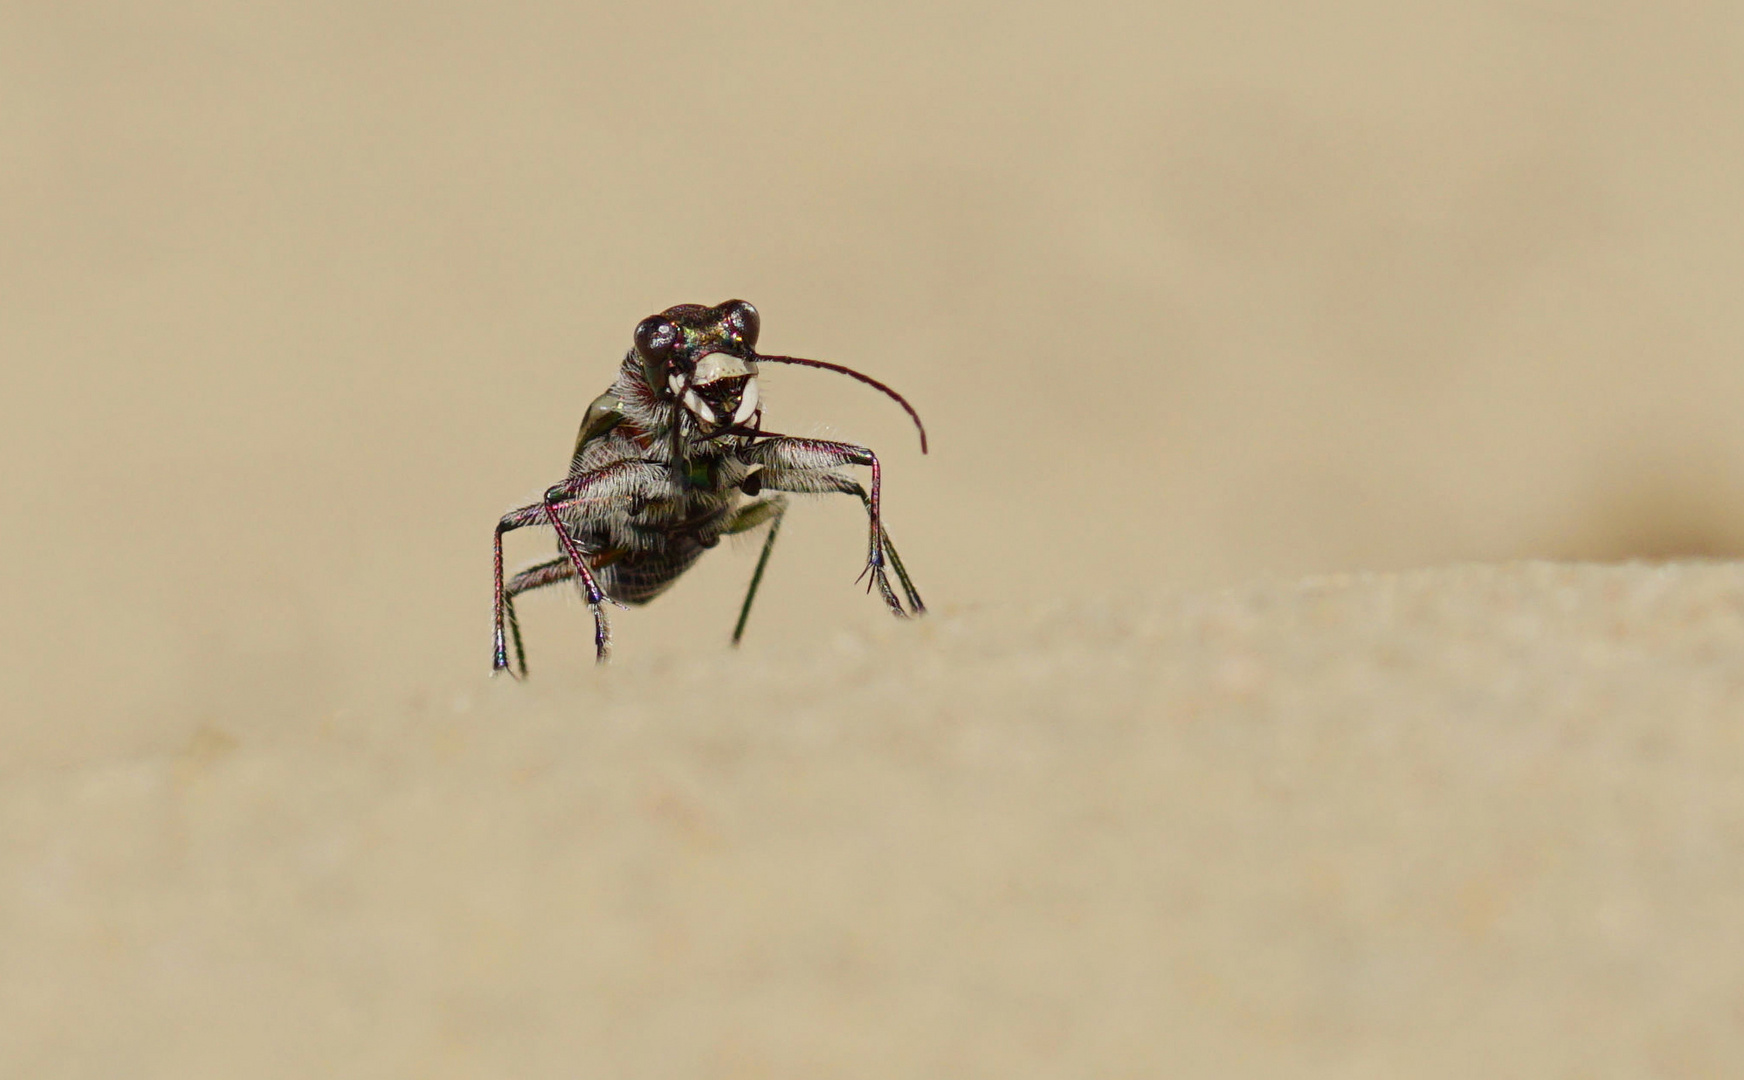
[{"x": 1469, "y": 822}]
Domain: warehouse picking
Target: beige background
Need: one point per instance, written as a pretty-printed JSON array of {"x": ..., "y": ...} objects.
[{"x": 297, "y": 298}]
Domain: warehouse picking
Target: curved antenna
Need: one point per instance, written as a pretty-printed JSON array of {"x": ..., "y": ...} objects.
[{"x": 851, "y": 373}]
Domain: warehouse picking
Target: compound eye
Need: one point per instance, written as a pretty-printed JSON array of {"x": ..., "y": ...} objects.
[
  {"x": 655, "y": 338},
  {"x": 744, "y": 321}
]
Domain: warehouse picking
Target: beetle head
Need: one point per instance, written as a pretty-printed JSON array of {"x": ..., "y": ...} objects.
[{"x": 705, "y": 359}]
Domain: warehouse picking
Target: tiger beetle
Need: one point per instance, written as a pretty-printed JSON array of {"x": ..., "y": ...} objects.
[{"x": 672, "y": 458}]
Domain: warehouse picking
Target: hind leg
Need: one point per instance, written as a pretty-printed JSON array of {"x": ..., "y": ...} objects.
[
  {"x": 533, "y": 577},
  {"x": 746, "y": 519}
]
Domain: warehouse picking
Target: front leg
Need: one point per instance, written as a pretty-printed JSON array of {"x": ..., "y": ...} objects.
[
  {"x": 808, "y": 465},
  {"x": 616, "y": 482},
  {"x": 622, "y": 481}
]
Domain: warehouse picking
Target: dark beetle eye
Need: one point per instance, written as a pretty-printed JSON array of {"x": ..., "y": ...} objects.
[
  {"x": 655, "y": 338},
  {"x": 744, "y": 321}
]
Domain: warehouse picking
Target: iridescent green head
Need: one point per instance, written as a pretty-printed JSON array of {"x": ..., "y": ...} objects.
[{"x": 704, "y": 358}]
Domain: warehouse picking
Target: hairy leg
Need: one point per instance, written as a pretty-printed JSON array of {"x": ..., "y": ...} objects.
[
  {"x": 809, "y": 465},
  {"x": 915, "y": 605},
  {"x": 533, "y": 577},
  {"x": 619, "y": 481},
  {"x": 514, "y": 519}
]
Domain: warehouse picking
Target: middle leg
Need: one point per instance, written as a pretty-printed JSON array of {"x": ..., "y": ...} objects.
[{"x": 618, "y": 482}]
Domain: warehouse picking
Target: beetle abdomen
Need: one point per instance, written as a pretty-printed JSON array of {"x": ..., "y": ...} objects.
[{"x": 639, "y": 576}]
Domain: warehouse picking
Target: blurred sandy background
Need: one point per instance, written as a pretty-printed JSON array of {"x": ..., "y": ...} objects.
[{"x": 298, "y": 298}]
